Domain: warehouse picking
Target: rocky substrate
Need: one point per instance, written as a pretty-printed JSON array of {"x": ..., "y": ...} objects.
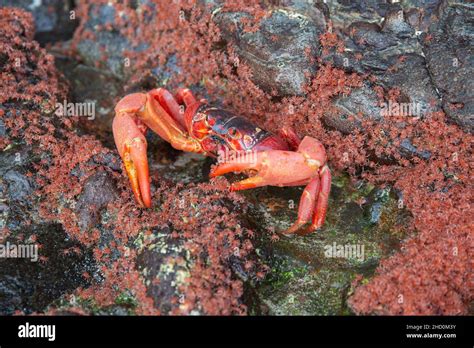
[{"x": 331, "y": 70}]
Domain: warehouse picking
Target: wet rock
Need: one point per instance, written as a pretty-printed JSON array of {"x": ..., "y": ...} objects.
[
  {"x": 420, "y": 13},
  {"x": 115, "y": 47},
  {"x": 110, "y": 160},
  {"x": 344, "y": 12},
  {"x": 376, "y": 203},
  {"x": 25, "y": 284},
  {"x": 163, "y": 73},
  {"x": 11, "y": 290},
  {"x": 317, "y": 11},
  {"x": 99, "y": 190},
  {"x": 304, "y": 291},
  {"x": 15, "y": 187},
  {"x": 412, "y": 78},
  {"x": 94, "y": 86},
  {"x": 31, "y": 91},
  {"x": 361, "y": 104},
  {"x": 394, "y": 22},
  {"x": 106, "y": 43},
  {"x": 353, "y": 216},
  {"x": 391, "y": 53},
  {"x": 166, "y": 264},
  {"x": 16, "y": 157},
  {"x": 14, "y": 163},
  {"x": 183, "y": 273},
  {"x": 376, "y": 45},
  {"x": 4, "y": 211},
  {"x": 120, "y": 309},
  {"x": 186, "y": 167},
  {"x": 28, "y": 285},
  {"x": 409, "y": 150},
  {"x": 3, "y": 131},
  {"x": 280, "y": 52},
  {"x": 370, "y": 36},
  {"x": 306, "y": 277},
  {"x": 18, "y": 185},
  {"x": 163, "y": 265},
  {"x": 53, "y": 20},
  {"x": 449, "y": 54}
]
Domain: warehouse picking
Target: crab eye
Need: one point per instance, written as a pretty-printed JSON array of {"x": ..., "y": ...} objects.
[
  {"x": 234, "y": 133},
  {"x": 199, "y": 116},
  {"x": 248, "y": 141}
]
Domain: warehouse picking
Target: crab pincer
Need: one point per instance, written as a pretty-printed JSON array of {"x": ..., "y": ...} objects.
[
  {"x": 130, "y": 140},
  {"x": 305, "y": 166}
]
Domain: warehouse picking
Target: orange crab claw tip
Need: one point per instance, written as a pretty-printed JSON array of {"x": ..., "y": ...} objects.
[
  {"x": 218, "y": 171},
  {"x": 140, "y": 187},
  {"x": 139, "y": 172},
  {"x": 144, "y": 184}
]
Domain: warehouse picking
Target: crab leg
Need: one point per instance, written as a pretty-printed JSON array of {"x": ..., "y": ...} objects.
[
  {"x": 290, "y": 137},
  {"x": 156, "y": 118},
  {"x": 323, "y": 197},
  {"x": 185, "y": 96},
  {"x": 307, "y": 204},
  {"x": 133, "y": 114},
  {"x": 170, "y": 105}
]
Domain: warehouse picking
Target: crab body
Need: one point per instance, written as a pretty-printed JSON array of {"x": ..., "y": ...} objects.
[
  {"x": 220, "y": 130},
  {"x": 190, "y": 125}
]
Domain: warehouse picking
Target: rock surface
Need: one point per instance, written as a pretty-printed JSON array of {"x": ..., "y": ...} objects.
[
  {"x": 280, "y": 51},
  {"x": 329, "y": 71},
  {"x": 450, "y": 59}
]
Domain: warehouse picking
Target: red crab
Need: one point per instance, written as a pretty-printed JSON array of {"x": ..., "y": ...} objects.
[{"x": 195, "y": 126}]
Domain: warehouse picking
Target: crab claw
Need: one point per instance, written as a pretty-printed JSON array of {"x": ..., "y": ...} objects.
[
  {"x": 131, "y": 143},
  {"x": 306, "y": 166},
  {"x": 275, "y": 167}
]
